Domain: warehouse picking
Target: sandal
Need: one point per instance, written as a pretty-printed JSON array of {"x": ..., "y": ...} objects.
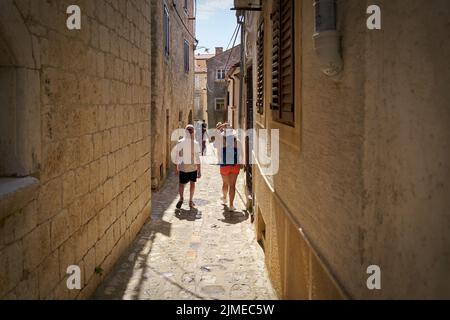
[
  {"x": 179, "y": 204},
  {"x": 191, "y": 204}
]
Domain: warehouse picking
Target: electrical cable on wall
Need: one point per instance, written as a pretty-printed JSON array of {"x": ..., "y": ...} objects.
[
  {"x": 232, "y": 37},
  {"x": 232, "y": 48},
  {"x": 181, "y": 19}
]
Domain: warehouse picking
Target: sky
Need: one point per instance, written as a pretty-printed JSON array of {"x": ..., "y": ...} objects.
[{"x": 215, "y": 24}]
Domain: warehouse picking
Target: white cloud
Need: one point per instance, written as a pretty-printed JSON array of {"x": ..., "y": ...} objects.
[{"x": 208, "y": 8}]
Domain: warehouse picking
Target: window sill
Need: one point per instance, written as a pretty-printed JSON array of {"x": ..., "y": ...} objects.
[{"x": 15, "y": 192}]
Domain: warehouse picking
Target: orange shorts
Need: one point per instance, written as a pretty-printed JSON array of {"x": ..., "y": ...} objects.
[{"x": 227, "y": 170}]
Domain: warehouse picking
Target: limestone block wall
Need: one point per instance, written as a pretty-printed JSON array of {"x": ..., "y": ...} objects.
[
  {"x": 89, "y": 193},
  {"x": 172, "y": 87},
  {"x": 201, "y": 84}
]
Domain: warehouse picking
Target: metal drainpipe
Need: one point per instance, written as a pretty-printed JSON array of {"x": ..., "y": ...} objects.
[
  {"x": 327, "y": 38},
  {"x": 241, "y": 73}
]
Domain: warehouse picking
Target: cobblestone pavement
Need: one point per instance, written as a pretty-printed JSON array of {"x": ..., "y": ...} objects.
[{"x": 206, "y": 253}]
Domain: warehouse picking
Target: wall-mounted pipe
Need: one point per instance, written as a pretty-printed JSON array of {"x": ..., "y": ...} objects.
[{"x": 327, "y": 38}]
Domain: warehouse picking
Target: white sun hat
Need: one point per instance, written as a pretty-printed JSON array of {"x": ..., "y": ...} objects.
[{"x": 229, "y": 132}]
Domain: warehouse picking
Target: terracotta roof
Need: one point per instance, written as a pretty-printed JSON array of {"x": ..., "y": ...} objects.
[
  {"x": 204, "y": 56},
  {"x": 227, "y": 51},
  {"x": 201, "y": 69},
  {"x": 233, "y": 68}
]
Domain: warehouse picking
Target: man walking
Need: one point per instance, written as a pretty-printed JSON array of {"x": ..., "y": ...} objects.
[
  {"x": 204, "y": 129},
  {"x": 188, "y": 165}
]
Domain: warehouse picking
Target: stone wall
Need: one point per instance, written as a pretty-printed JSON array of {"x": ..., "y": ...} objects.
[
  {"x": 201, "y": 88},
  {"x": 90, "y": 191},
  {"x": 172, "y": 87}
]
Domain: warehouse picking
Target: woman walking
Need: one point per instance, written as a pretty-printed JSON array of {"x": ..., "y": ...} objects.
[{"x": 230, "y": 166}]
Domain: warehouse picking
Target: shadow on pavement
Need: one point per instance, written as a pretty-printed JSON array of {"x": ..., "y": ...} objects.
[
  {"x": 189, "y": 215},
  {"x": 234, "y": 217}
]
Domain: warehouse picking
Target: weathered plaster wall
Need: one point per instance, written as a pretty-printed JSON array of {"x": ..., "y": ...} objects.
[
  {"x": 373, "y": 150},
  {"x": 92, "y": 192},
  {"x": 364, "y": 172},
  {"x": 325, "y": 191},
  {"x": 405, "y": 222}
]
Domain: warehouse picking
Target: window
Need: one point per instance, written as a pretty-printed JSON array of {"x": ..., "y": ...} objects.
[
  {"x": 166, "y": 30},
  {"x": 283, "y": 62},
  {"x": 220, "y": 104},
  {"x": 220, "y": 74},
  {"x": 260, "y": 70},
  {"x": 20, "y": 107},
  {"x": 186, "y": 56}
]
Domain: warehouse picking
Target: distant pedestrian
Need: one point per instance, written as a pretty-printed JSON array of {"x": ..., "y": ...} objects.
[
  {"x": 204, "y": 138},
  {"x": 188, "y": 166}
]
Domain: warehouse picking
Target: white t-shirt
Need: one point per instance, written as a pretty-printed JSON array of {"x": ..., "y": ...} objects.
[
  {"x": 227, "y": 139},
  {"x": 188, "y": 155}
]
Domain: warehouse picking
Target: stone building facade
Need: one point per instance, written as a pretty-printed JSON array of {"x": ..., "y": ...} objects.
[
  {"x": 201, "y": 87},
  {"x": 234, "y": 95},
  {"x": 173, "y": 70},
  {"x": 218, "y": 67},
  {"x": 75, "y": 142},
  {"x": 364, "y": 171}
]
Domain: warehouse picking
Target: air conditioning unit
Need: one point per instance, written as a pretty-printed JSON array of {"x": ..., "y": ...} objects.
[{"x": 247, "y": 5}]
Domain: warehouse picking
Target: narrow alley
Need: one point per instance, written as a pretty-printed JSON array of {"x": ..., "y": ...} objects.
[
  {"x": 332, "y": 116},
  {"x": 205, "y": 253}
]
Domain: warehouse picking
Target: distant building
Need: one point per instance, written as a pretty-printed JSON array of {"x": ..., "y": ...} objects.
[
  {"x": 201, "y": 87},
  {"x": 217, "y": 68}
]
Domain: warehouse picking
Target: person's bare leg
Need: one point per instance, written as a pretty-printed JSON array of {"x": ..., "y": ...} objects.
[
  {"x": 232, "y": 178},
  {"x": 192, "y": 191},
  {"x": 225, "y": 187},
  {"x": 181, "y": 192}
]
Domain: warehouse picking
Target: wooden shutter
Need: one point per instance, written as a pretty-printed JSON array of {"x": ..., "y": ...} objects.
[
  {"x": 275, "y": 57},
  {"x": 260, "y": 70},
  {"x": 186, "y": 56},
  {"x": 166, "y": 30},
  {"x": 283, "y": 61}
]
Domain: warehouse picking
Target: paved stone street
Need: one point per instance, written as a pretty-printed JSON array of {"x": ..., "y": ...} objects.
[{"x": 206, "y": 253}]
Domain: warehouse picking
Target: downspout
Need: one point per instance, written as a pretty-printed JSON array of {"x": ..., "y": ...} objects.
[
  {"x": 233, "y": 81},
  {"x": 233, "y": 102},
  {"x": 327, "y": 38},
  {"x": 242, "y": 72}
]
